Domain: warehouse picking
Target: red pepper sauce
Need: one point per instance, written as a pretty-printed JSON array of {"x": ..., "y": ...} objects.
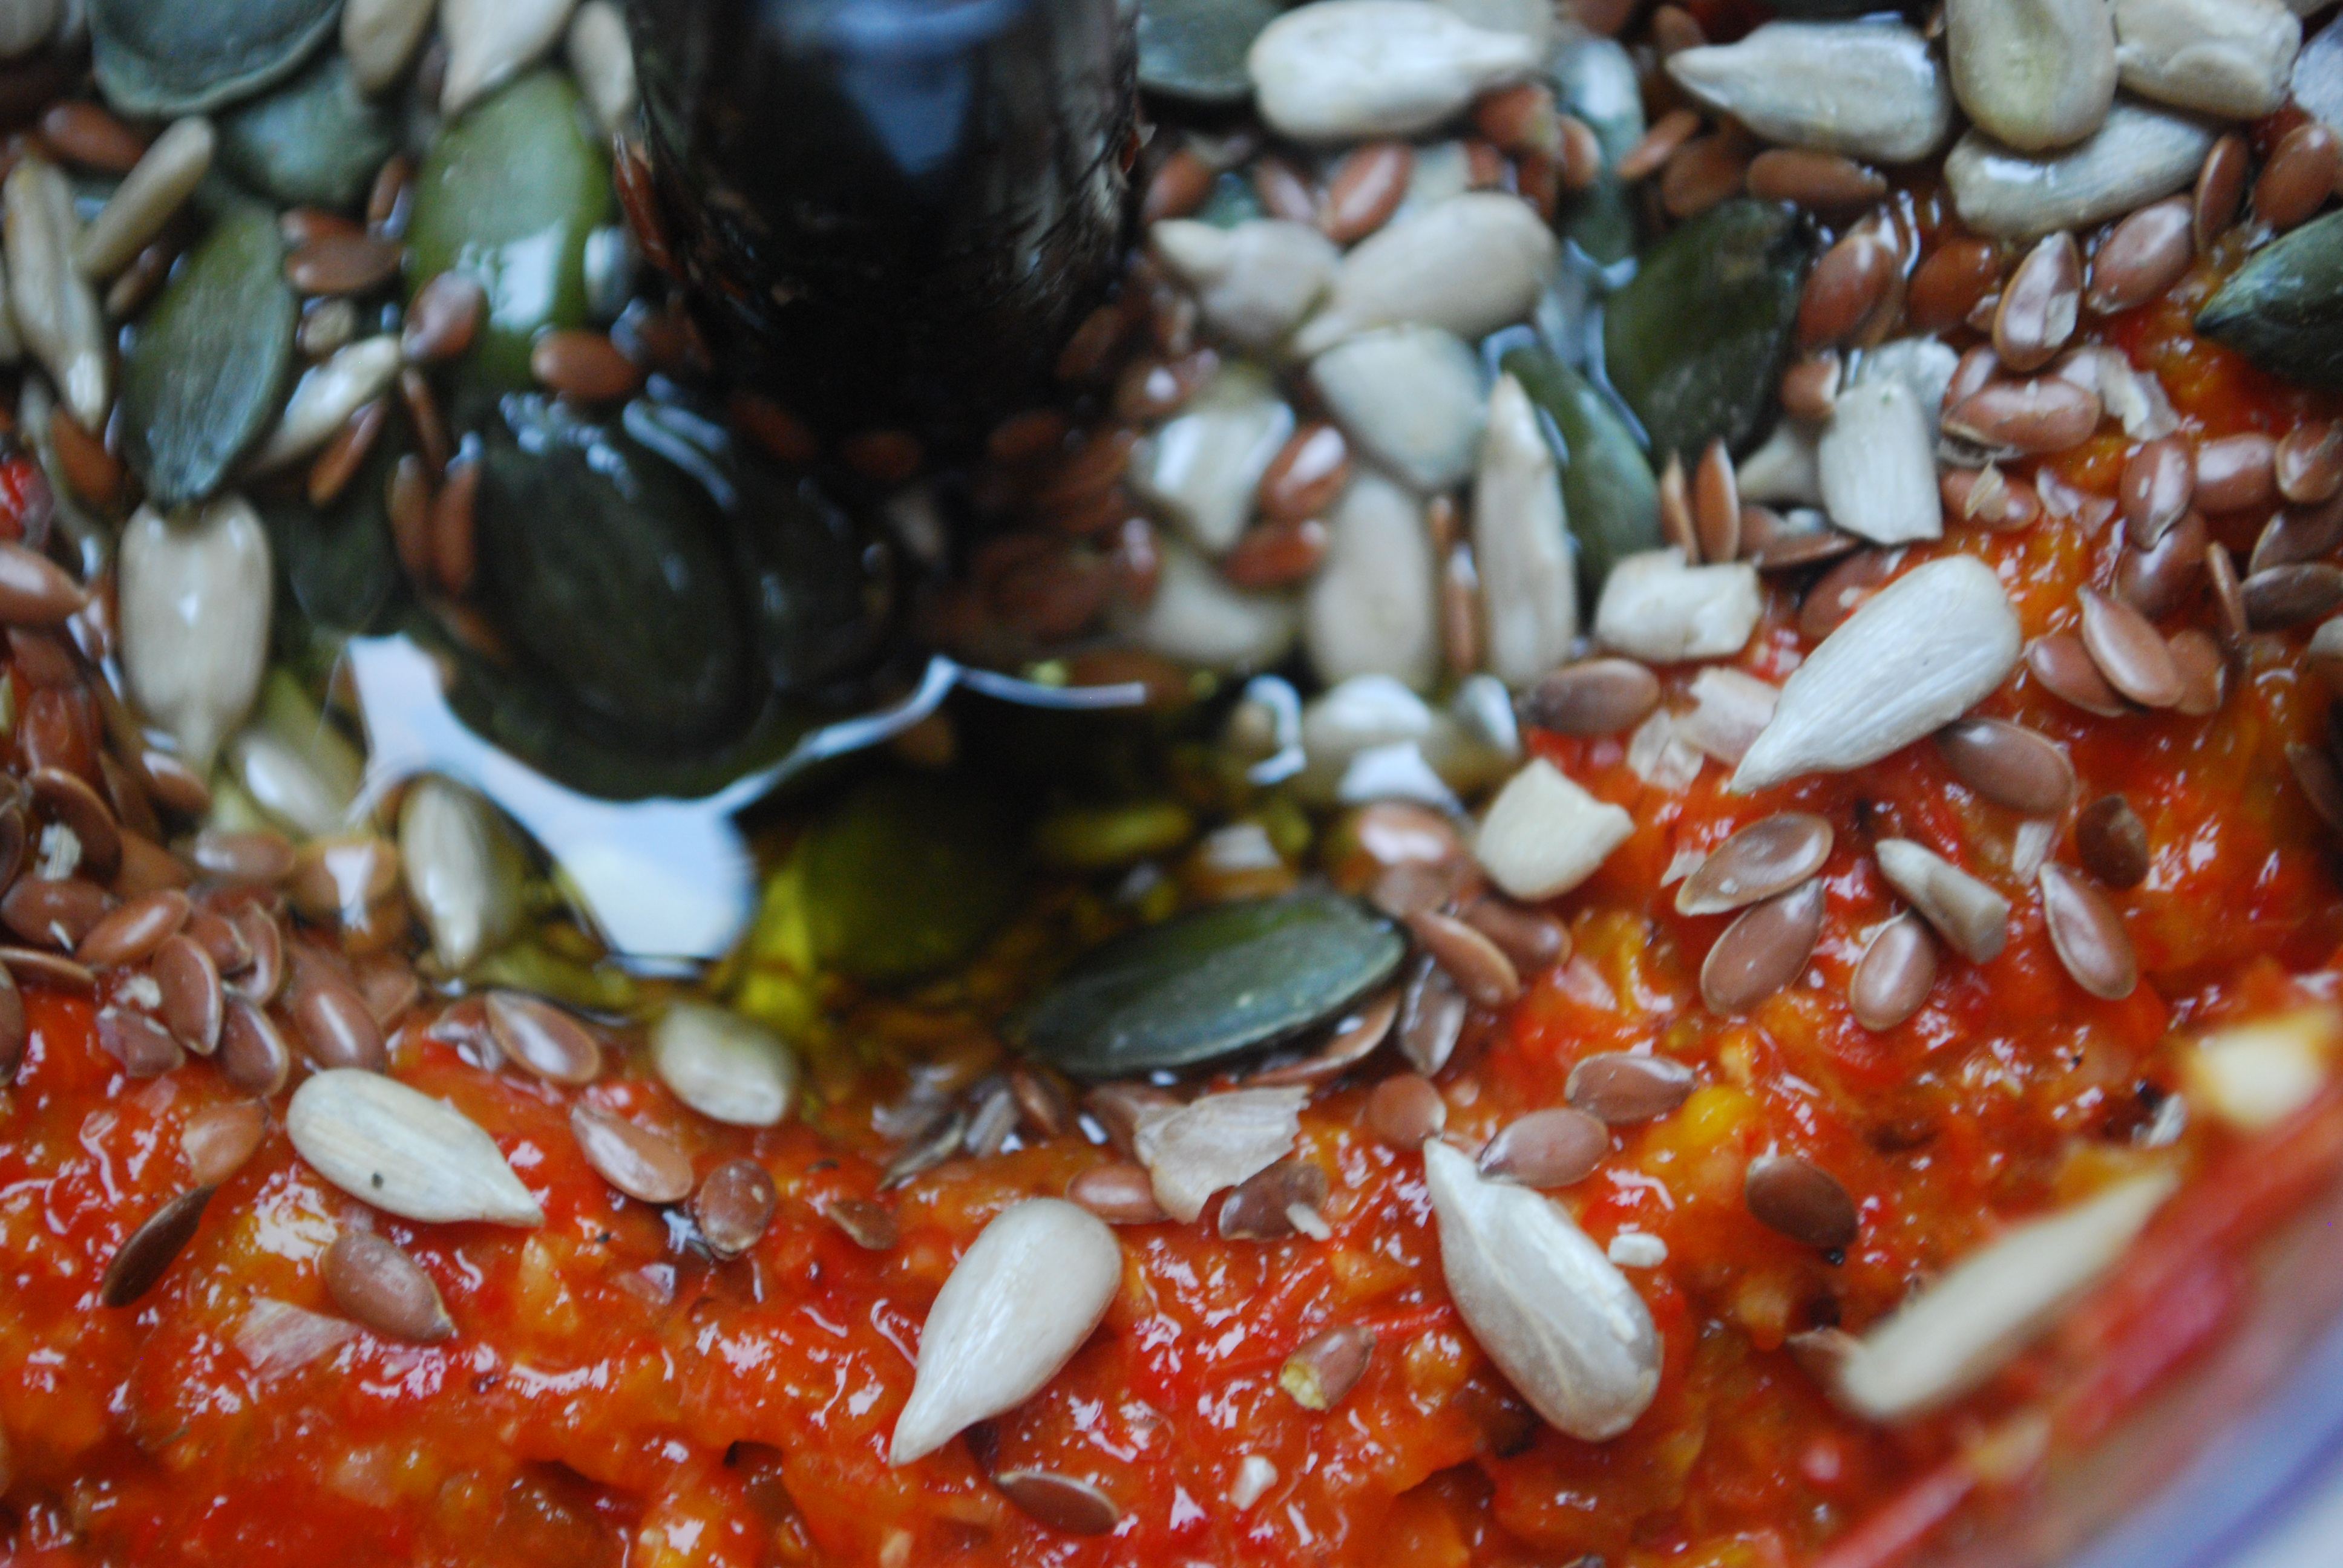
[{"x": 613, "y": 1396}]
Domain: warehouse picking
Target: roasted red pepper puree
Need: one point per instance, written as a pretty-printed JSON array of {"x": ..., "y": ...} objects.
[{"x": 610, "y": 1396}]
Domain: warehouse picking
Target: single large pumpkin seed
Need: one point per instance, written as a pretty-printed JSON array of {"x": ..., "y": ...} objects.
[
  {"x": 1018, "y": 1304},
  {"x": 1908, "y": 661},
  {"x": 1960, "y": 1330},
  {"x": 1697, "y": 342},
  {"x": 315, "y": 142},
  {"x": 162, "y": 59},
  {"x": 403, "y": 1151},
  {"x": 1211, "y": 983},
  {"x": 1560, "y": 1321},
  {"x": 205, "y": 369},
  {"x": 509, "y": 194}
]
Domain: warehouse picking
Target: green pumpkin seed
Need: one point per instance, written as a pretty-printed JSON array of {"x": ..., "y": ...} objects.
[
  {"x": 1211, "y": 983},
  {"x": 1697, "y": 342},
  {"x": 315, "y": 142},
  {"x": 205, "y": 374},
  {"x": 1195, "y": 49},
  {"x": 336, "y": 566},
  {"x": 2284, "y": 309},
  {"x": 509, "y": 194},
  {"x": 609, "y": 571},
  {"x": 162, "y": 58},
  {"x": 905, "y": 877},
  {"x": 820, "y": 587},
  {"x": 1607, "y": 490},
  {"x": 1596, "y": 80}
]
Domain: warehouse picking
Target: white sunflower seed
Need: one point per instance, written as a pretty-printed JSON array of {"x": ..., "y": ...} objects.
[
  {"x": 1876, "y": 461},
  {"x": 1194, "y": 1150},
  {"x": 1782, "y": 470},
  {"x": 2036, "y": 73},
  {"x": 1545, "y": 834},
  {"x": 1869, "y": 91},
  {"x": 463, "y": 871},
  {"x": 379, "y": 36},
  {"x": 1959, "y": 1330},
  {"x": 1662, "y": 611},
  {"x": 166, "y": 175},
  {"x": 56, "y": 312},
  {"x": 326, "y": 397},
  {"x": 2255, "y": 1074},
  {"x": 1017, "y": 1306},
  {"x": 2139, "y": 155},
  {"x": 1347, "y": 70},
  {"x": 196, "y": 597},
  {"x": 307, "y": 788},
  {"x": 1410, "y": 398},
  {"x": 1255, "y": 282},
  {"x": 1557, "y": 1317},
  {"x": 1529, "y": 594},
  {"x": 2228, "y": 57},
  {"x": 1200, "y": 470},
  {"x": 1906, "y": 663},
  {"x": 490, "y": 41},
  {"x": 403, "y": 1151},
  {"x": 1965, "y": 911},
  {"x": 1373, "y": 607},
  {"x": 1197, "y": 618},
  {"x": 1730, "y": 709},
  {"x": 723, "y": 1066},
  {"x": 603, "y": 61},
  {"x": 1468, "y": 265}
]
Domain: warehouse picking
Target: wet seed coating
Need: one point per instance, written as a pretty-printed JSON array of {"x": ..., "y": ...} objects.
[
  {"x": 1801, "y": 1199},
  {"x": 2009, "y": 765},
  {"x": 2112, "y": 842},
  {"x": 1620, "y": 1089},
  {"x": 1897, "y": 972},
  {"x": 544, "y": 1038},
  {"x": 1552, "y": 1148},
  {"x": 2087, "y": 933},
  {"x": 1324, "y": 1369},
  {"x": 1592, "y": 697},
  {"x": 1763, "y": 950},
  {"x": 374, "y": 1281},
  {"x": 1120, "y": 1193},
  {"x": 2129, "y": 652},
  {"x": 734, "y": 1206},
  {"x": 636, "y": 1160},
  {"x": 1061, "y": 1501},
  {"x": 151, "y": 1249},
  {"x": 1766, "y": 858}
]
